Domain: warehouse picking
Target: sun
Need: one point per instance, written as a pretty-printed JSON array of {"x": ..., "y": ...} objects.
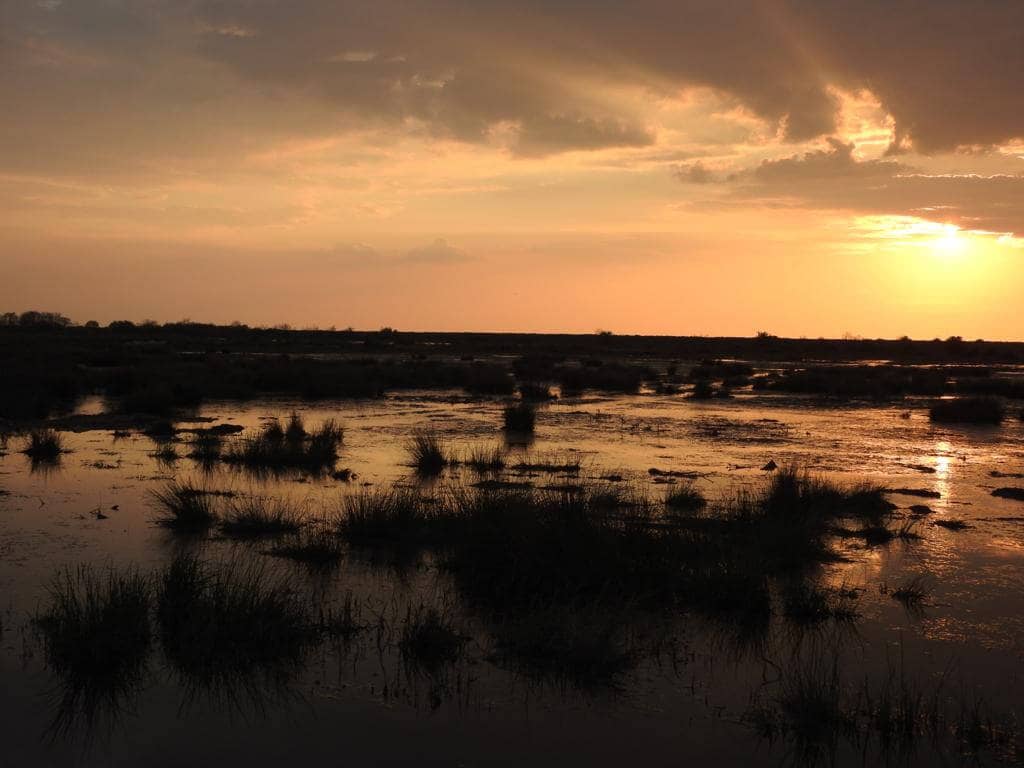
[{"x": 949, "y": 244}]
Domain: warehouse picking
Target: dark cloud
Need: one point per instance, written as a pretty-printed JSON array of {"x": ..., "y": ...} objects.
[
  {"x": 836, "y": 179},
  {"x": 104, "y": 83}
]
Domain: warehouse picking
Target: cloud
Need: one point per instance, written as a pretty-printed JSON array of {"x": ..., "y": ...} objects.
[
  {"x": 548, "y": 134},
  {"x": 834, "y": 179},
  {"x": 179, "y": 79},
  {"x": 694, "y": 173},
  {"x": 438, "y": 252}
]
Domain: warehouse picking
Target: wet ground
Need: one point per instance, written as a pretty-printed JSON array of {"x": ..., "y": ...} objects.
[{"x": 690, "y": 702}]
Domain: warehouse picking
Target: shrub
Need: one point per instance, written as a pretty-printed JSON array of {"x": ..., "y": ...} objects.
[
  {"x": 968, "y": 410},
  {"x": 520, "y": 417}
]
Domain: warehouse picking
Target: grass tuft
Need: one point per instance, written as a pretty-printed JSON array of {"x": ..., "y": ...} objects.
[
  {"x": 221, "y": 621},
  {"x": 685, "y": 498},
  {"x": 254, "y": 518},
  {"x": 44, "y": 445},
  {"x": 318, "y": 549},
  {"x": 520, "y": 417},
  {"x": 96, "y": 623},
  {"x": 428, "y": 452},
  {"x": 428, "y": 638},
  {"x": 278, "y": 449},
  {"x": 185, "y": 507}
]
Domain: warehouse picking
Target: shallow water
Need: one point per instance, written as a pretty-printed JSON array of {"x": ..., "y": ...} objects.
[{"x": 688, "y": 703}]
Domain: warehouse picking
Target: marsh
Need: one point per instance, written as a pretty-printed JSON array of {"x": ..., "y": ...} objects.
[{"x": 750, "y": 580}]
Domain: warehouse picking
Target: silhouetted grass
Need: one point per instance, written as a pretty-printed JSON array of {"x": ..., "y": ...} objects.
[
  {"x": 532, "y": 391},
  {"x": 585, "y": 649},
  {"x": 185, "y": 507},
  {"x": 911, "y": 593},
  {"x": 483, "y": 460},
  {"x": 96, "y": 623},
  {"x": 805, "y": 603},
  {"x": 519, "y": 546},
  {"x": 319, "y": 549},
  {"x": 604, "y": 376},
  {"x": 206, "y": 447},
  {"x": 568, "y": 464},
  {"x": 254, "y": 518},
  {"x": 865, "y": 381},
  {"x": 379, "y": 517},
  {"x": 428, "y": 638},
  {"x": 786, "y": 525},
  {"x": 968, "y": 410},
  {"x": 44, "y": 445},
  {"x": 296, "y": 429},
  {"x": 275, "y": 448},
  {"x": 685, "y": 497},
  {"x": 703, "y": 390},
  {"x": 96, "y": 637},
  {"x": 520, "y": 417},
  {"x": 165, "y": 453},
  {"x": 219, "y": 622},
  {"x": 428, "y": 452}
]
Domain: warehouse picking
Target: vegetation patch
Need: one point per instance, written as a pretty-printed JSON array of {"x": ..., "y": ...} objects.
[
  {"x": 1015, "y": 494},
  {"x": 254, "y": 518},
  {"x": 968, "y": 410},
  {"x": 185, "y": 507},
  {"x": 44, "y": 445}
]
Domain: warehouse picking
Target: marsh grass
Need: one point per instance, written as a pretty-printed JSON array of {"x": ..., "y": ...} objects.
[
  {"x": 703, "y": 390},
  {"x": 879, "y": 533},
  {"x": 206, "y": 448},
  {"x": 968, "y": 410},
  {"x": 685, "y": 497},
  {"x": 428, "y": 453},
  {"x": 911, "y": 593},
  {"x": 565, "y": 463},
  {"x": 96, "y": 637},
  {"x": 317, "y": 549},
  {"x": 277, "y": 449},
  {"x": 254, "y": 518},
  {"x": 428, "y": 638},
  {"x": 220, "y": 623},
  {"x": 786, "y": 525},
  {"x": 185, "y": 507},
  {"x": 385, "y": 517},
  {"x": 295, "y": 431},
  {"x": 520, "y": 417},
  {"x": 586, "y": 649},
  {"x": 96, "y": 622},
  {"x": 536, "y": 392},
  {"x": 44, "y": 445},
  {"x": 343, "y": 623},
  {"x": 484, "y": 460},
  {"x": 809, "y": 604},
  {"x": 165, "y": 453}
]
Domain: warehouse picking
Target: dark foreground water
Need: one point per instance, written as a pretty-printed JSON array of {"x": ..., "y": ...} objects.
[{"x": 707, "y": 693}]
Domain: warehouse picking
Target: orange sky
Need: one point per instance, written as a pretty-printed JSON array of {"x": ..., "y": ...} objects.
[{"x": 652, "y": 167}]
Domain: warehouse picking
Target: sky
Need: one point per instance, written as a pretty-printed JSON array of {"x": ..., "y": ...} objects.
[{"x": 802, "y": 167}]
